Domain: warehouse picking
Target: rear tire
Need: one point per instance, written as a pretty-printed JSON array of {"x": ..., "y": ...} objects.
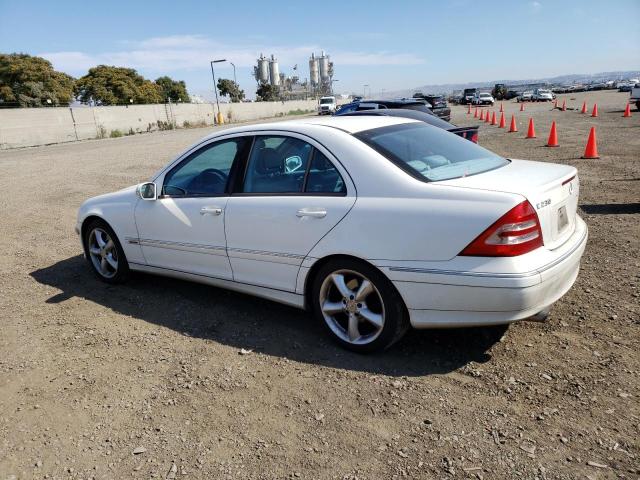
[
  {"x": 104, "y": 252},
  {"x": 359, "y": 307}
]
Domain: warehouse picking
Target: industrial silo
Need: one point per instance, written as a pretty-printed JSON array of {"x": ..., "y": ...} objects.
[
  {"x": 274, "y": 72},
  {"x": 262, "y": 72},
  {"x": 313, "y": 71},
  {"x": 324, "y": 68}
]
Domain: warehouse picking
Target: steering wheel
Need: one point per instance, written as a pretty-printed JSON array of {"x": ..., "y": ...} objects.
[{"x": 207, "y": 180}]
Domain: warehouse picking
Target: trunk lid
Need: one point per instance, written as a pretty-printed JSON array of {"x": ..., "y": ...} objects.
[{"x": 552, "y": 190}]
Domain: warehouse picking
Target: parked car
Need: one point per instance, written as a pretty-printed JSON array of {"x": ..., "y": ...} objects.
[
  {"x": 625, "y": 86},
  {"x": 438, "y": 105},
  {"x": 635, "y": 95},
  {"x": 468, "y": 95},
  {"x": 469, "y": 133},
  {"x": 373, "y": 223},
  {"x": 525, "y": 96},
  {"x": 541, "y": 95},
  {"x": 406, "y": 103},
  {"x": 511, "y": 94},
  {"x": 327, "y": 105},
  {"x": 483, "y": 98}
]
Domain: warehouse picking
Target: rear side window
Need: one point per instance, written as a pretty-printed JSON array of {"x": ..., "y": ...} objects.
[
  {"x": 430, "y": 153},
  {"x": 323, "y": 176}
]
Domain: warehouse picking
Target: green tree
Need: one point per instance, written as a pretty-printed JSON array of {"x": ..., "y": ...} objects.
[
  {"x": 173, "y": 89},
  {"x": 108, "y": 85},
  {"x": 230, "y": 89},
  {"x": 267, "y": 93},
  {"x": 32, "y": 82}
]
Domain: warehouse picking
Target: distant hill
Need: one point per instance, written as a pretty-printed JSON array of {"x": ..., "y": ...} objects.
[{"x": 575, "y": 78}]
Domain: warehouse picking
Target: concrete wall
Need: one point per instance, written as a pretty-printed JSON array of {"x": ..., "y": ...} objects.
[{"x": 26, "y": 127}]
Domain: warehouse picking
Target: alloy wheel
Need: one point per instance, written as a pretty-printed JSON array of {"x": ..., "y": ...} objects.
[
  {"x": 352, "y": 307},
  {"x": 103, "y": 253}
]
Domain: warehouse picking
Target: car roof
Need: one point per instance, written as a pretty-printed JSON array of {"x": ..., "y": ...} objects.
[
  {"x": 405, "y": 113},
  {"x": 346, "y": 124}
]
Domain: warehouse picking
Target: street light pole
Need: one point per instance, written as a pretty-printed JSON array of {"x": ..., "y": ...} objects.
[
  {"x": 234, "y": 73},
  {"x": 215, "y": 87},
  {"x": 364, "y": 90}
]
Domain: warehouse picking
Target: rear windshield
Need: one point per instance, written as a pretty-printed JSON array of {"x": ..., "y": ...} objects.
[{"x": 430, "y": 153}]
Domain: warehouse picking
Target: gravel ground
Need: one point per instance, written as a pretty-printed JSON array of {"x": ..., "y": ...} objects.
[{"x": 161, "y": 378}]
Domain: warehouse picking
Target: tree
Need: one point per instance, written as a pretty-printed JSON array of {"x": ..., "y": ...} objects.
[
  {"x": 267, "y": 93},
  {"x": 230, "y": 89},
  {"x": 174, "y": 90},
  {"x": 108, "y": 85},
  {"x": 32, "y": 82}
]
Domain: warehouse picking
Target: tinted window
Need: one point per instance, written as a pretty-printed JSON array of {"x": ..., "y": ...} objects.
[
  {"x": 430, "y": 153},
  {"x": 206, "y": 171},
  {"x": 323, "y": 176},
  {"x": 277, "y": 165}
]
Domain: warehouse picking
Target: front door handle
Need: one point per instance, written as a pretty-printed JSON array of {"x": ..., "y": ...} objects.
[
  {"x": 211, "y": 211},
  {"x": 312, "y": 212}
]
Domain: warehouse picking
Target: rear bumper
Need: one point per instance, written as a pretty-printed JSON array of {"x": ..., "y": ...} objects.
[{"x": 439, "y": 298}]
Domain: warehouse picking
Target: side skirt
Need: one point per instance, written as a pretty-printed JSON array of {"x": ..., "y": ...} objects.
[{"x": 280, "y": 296}]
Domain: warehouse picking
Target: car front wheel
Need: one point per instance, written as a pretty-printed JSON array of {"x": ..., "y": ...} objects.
[
  {"x": 104, "y": 253},
  {"x": 359, "y": 306}
]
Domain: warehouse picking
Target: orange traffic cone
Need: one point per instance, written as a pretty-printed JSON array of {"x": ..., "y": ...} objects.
[
  {"x": 522, "y": 106},
  {"x": 502, "y": 121},
  {"x": 513, "y": 127},
  {"x": 627, "y": 110},
  {"x": 584, "y": 107},
  {"x": 594, "y": 113},
  {"x": 592, "y": 148},
  {"x": 531, "y": 132},
  {"x": 553, "y": 136},
  {"x": 475, "y": 113},
  {"x": 564, "y": 105},
  {"x": 493, "y": 119},
  {"x": 469, "y": 110},
  {"x": 487, "y": 117},
  {"x": 501, "y": 107},
  {"x": 481, "y": 115}
]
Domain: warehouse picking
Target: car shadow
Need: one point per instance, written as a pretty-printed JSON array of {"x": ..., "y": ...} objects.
[
  {"x": 611, "y": 208},
  {"x": 246, "y": 322}
]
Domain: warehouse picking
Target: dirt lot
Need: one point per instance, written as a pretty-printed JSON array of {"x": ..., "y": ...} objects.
[{"x": 92, "y": 374}]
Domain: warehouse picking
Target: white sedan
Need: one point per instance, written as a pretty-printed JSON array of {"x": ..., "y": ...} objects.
[{"x": 374, "y": 223}]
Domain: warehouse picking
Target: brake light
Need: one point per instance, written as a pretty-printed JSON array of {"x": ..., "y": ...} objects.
[{"x": 517, "y": 232}]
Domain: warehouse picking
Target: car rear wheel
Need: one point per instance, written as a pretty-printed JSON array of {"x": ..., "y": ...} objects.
[
  {"x": 104, "y": 253},
  {"x": 359, "y": 307}
]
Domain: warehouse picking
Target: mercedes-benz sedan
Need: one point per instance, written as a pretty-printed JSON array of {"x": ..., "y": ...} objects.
[{"x": 375, "y": 224}]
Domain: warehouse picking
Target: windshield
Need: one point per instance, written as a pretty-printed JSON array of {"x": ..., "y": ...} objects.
[
  {"x": 324, "y": 101},
  {"x": 485, "y": 95},
  {"x": 430, "y": 153}
]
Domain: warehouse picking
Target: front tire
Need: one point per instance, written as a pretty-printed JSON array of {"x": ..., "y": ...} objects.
[
  {"x": 104, "y": 252},
  {"x": 359, "y": 307}
]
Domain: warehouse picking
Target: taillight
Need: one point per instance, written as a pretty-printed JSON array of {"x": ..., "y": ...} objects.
[{"x": 517, "y": 232}]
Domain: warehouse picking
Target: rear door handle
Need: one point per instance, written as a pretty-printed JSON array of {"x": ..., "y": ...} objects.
[
  {"x": 312, "y": 212},
  {"x": 211, "y": 211}
]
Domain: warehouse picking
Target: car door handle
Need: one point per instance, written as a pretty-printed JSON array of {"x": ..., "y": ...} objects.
[
  {"x": 312, "y": 212},
  {"x": 211, "y": 211}
]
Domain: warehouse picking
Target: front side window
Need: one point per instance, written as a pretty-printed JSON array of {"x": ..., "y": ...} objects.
[
  {"x": 430, "y": 153},
  {"x": 288, "y": 165},
  {"x": 207, "y": 171}
]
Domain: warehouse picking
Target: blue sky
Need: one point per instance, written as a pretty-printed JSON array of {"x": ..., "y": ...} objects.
[{"x": 388, "y": 45}]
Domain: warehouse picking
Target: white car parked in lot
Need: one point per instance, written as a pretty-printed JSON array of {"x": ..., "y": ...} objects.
[
  {"x": 542, "y": 95},
  {"x": 374, "y": 223},
  {"x": 483, "y": 98}
]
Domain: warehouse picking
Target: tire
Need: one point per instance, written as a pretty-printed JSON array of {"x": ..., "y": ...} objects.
[
  {"x": 379, "y": 318},
  {"x": 638, "y": 105},
  {"x": 108, "y": 262}
]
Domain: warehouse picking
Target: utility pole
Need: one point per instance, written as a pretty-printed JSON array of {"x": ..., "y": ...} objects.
[{"x": 219, "y": 117}]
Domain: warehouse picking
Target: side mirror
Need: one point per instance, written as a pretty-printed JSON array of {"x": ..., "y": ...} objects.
[{"x": 147, "y": 191}]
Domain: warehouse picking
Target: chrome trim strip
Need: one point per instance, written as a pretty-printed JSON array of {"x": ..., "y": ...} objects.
[
  {"x": 264, "y": 252},
  {"x": 546, "y": 267}
]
